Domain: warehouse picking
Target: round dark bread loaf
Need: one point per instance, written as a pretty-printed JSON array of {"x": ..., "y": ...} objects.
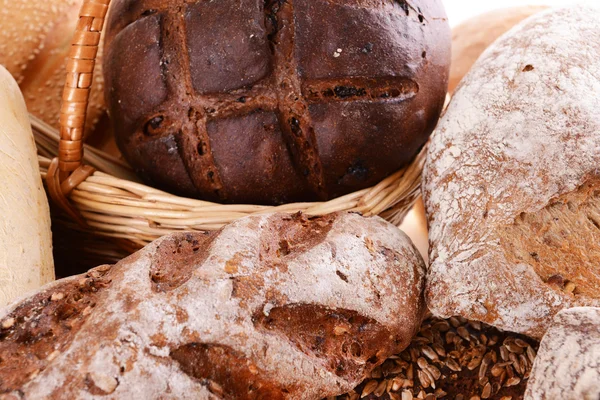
[
  {"x": 274, "y": 101},
  {"x": 270, "y": 307}
]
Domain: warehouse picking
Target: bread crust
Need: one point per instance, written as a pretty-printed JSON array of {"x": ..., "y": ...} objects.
[
  {"x": 567, "y": 365},
  {"x": 270, "y": 102},
  {"x": 275, "y": 306},
  {"x": 35, "y": 41},
  {"x": 472, "y": 37},
  {"x": 518, "y": 141},
  {"x": 26, "y": 261}
]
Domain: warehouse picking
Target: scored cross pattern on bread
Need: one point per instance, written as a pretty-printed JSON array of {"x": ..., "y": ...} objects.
[{"x": 274, "y": 91}]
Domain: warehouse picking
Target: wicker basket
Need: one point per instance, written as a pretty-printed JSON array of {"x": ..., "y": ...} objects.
[{"x": 102, "y": 196}]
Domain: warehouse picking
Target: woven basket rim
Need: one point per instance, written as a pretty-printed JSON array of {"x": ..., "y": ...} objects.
[{"x": 104, "y": 196}]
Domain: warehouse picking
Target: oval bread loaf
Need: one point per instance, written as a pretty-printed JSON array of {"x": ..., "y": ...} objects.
[
  {"x": 25, "y": 239},
  {"x": 512, "y": 178},
  {"x": 270, "y": 307}
]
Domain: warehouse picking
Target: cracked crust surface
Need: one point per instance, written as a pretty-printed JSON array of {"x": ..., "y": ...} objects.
[
  {"x": 511, "y": 181},
  {"x": 275, "y": 306},
  {"x": 568, "y": 361}
]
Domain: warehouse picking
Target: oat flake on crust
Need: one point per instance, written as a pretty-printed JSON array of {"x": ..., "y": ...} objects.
[{"x": 522, "y": 129}]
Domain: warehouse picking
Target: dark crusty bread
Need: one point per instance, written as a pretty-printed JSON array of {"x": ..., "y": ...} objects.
[
  {"x": 270, "y": 307},
  {"x": 568, "y": 362},
  {"x": 274, "y": 101},
  {"x": 512, "y": 178}
]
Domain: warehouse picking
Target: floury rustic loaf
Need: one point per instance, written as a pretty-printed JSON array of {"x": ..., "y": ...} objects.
[
  {"x": 512, "y": 178},
  {"x": 568, "y": 363},
  {"x": 254, "y": 101},
  {"x": 271, "y": 307}
]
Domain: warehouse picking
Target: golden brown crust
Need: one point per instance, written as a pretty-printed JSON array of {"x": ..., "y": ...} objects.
[
  {"x": 415, "y": 226},
  {"x": 34, "y": 43}
]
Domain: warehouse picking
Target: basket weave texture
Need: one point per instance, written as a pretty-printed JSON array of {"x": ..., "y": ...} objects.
[{"x": 103, "y": 195}]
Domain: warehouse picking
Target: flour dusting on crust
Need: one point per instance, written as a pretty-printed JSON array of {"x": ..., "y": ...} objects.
[
  {"x": 567, "y": 366},
  {"x": 522, "y": 129},
  {"x": 157, "y": 318}
]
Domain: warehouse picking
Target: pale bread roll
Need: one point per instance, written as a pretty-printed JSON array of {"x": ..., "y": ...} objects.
[{"x": 25, "y": 239}]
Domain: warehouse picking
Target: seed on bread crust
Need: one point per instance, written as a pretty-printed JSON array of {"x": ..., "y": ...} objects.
[{"x": 454, "y": 359}]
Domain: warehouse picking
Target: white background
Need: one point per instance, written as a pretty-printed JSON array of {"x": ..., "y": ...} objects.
[{"x": 459, "y": 10}]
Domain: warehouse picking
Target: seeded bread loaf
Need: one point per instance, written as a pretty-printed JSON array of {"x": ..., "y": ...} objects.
[
  {"x": 512, "y": 178},
  {"x": 270, "y": 307},
  {"x": 568, "y": 362}
]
